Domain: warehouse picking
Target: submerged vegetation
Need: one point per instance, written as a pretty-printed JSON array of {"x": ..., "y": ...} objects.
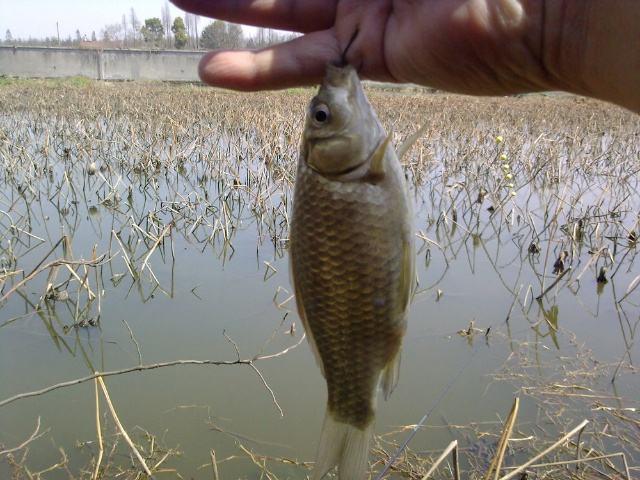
[{"x": 102, "y": 185}]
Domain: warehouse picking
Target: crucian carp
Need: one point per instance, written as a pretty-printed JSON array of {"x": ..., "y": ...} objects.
[{"x": 352, "y": 263}]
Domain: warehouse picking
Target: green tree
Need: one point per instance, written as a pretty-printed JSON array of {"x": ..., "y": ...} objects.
[
  {"x": 214, "y": 35},
  {"x": 179, "y": 33},
  {"x": 8, "y": 37},
  {"x": 152, "y": 31}
]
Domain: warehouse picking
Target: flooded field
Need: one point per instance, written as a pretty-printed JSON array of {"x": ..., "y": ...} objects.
[{"x": 143, "y": 235}]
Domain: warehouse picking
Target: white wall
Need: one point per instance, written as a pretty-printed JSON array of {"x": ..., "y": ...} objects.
[{"x": 108, "y": 64}]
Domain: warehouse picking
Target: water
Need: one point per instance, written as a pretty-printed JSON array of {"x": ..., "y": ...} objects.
[{"x": 222, "y": 277}]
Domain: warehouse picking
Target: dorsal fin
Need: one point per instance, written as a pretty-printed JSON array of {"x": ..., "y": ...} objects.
[
  {"x": 411, "y": 139},
  {"x": 378, "y": 166}
]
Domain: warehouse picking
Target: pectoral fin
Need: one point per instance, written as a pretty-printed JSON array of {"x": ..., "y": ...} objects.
[
  {"x": 378, "y": 163},
  {"x": 408, "y": 143}
]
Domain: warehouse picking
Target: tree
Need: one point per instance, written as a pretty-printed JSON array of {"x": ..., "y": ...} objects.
[
  {"x": 179, "y": 33},
  {"x": 207, "y": 37},
  {"x": 214, "y": 35},
  {"x": 261, "y": 39},
  {"x": 153, "y": 31},
  {"x": 124, "y": 28},
  {"x": 234, "y": 36},
  {"x": 196, "y": 37},
  {"x": 8, "y": 37},
  {"x": 265, "y": 37},
  {"x": 191, "y": 23},
  {"x": 166, "y": 21},
  {"x": 78, "y": 36},
  {"x": 112, "y": 32},
  {"x": 135, "y": 25},
  {"x": 93, "y": 36}
]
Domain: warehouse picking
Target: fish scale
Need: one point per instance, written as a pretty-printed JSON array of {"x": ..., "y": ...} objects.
[
  {"x": 351, "y": 257},
  {"x": 346, "y": 284}
]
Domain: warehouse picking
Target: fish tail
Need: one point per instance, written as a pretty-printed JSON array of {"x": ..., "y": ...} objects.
[
  {"x": 355, "y": 455},
  {"x": 344, "y": 445}
]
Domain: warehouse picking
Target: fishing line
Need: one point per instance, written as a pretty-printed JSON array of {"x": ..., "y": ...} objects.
[
  {"x": 426, "y": 416},
  {"x": 343, "y": 57}
]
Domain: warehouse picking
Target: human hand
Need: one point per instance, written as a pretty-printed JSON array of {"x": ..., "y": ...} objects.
[{"x": 481, "y": 47}]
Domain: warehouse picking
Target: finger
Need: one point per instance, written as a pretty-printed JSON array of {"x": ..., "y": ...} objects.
[
  {"x": 301, "y": 61},
  {"x": 366, "y": 53},
  {"x": 293, "y": 15}
]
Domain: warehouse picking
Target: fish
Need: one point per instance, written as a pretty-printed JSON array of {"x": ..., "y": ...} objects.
[{"x": 352, "y": 263}]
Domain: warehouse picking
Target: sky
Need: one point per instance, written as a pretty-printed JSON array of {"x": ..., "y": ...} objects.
[{"x": 37, "y": 18}]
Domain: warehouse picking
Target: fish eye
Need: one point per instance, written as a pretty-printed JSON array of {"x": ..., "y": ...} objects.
[{"x": 320, "y": 114}]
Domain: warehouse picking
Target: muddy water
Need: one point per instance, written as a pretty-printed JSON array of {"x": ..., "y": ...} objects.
[{"x": 212, "y": 292}]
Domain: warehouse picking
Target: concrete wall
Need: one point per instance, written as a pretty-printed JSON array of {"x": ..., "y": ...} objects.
[
  {"x": 107, "y": 64},
  {"x": 152, "y": 65}
]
